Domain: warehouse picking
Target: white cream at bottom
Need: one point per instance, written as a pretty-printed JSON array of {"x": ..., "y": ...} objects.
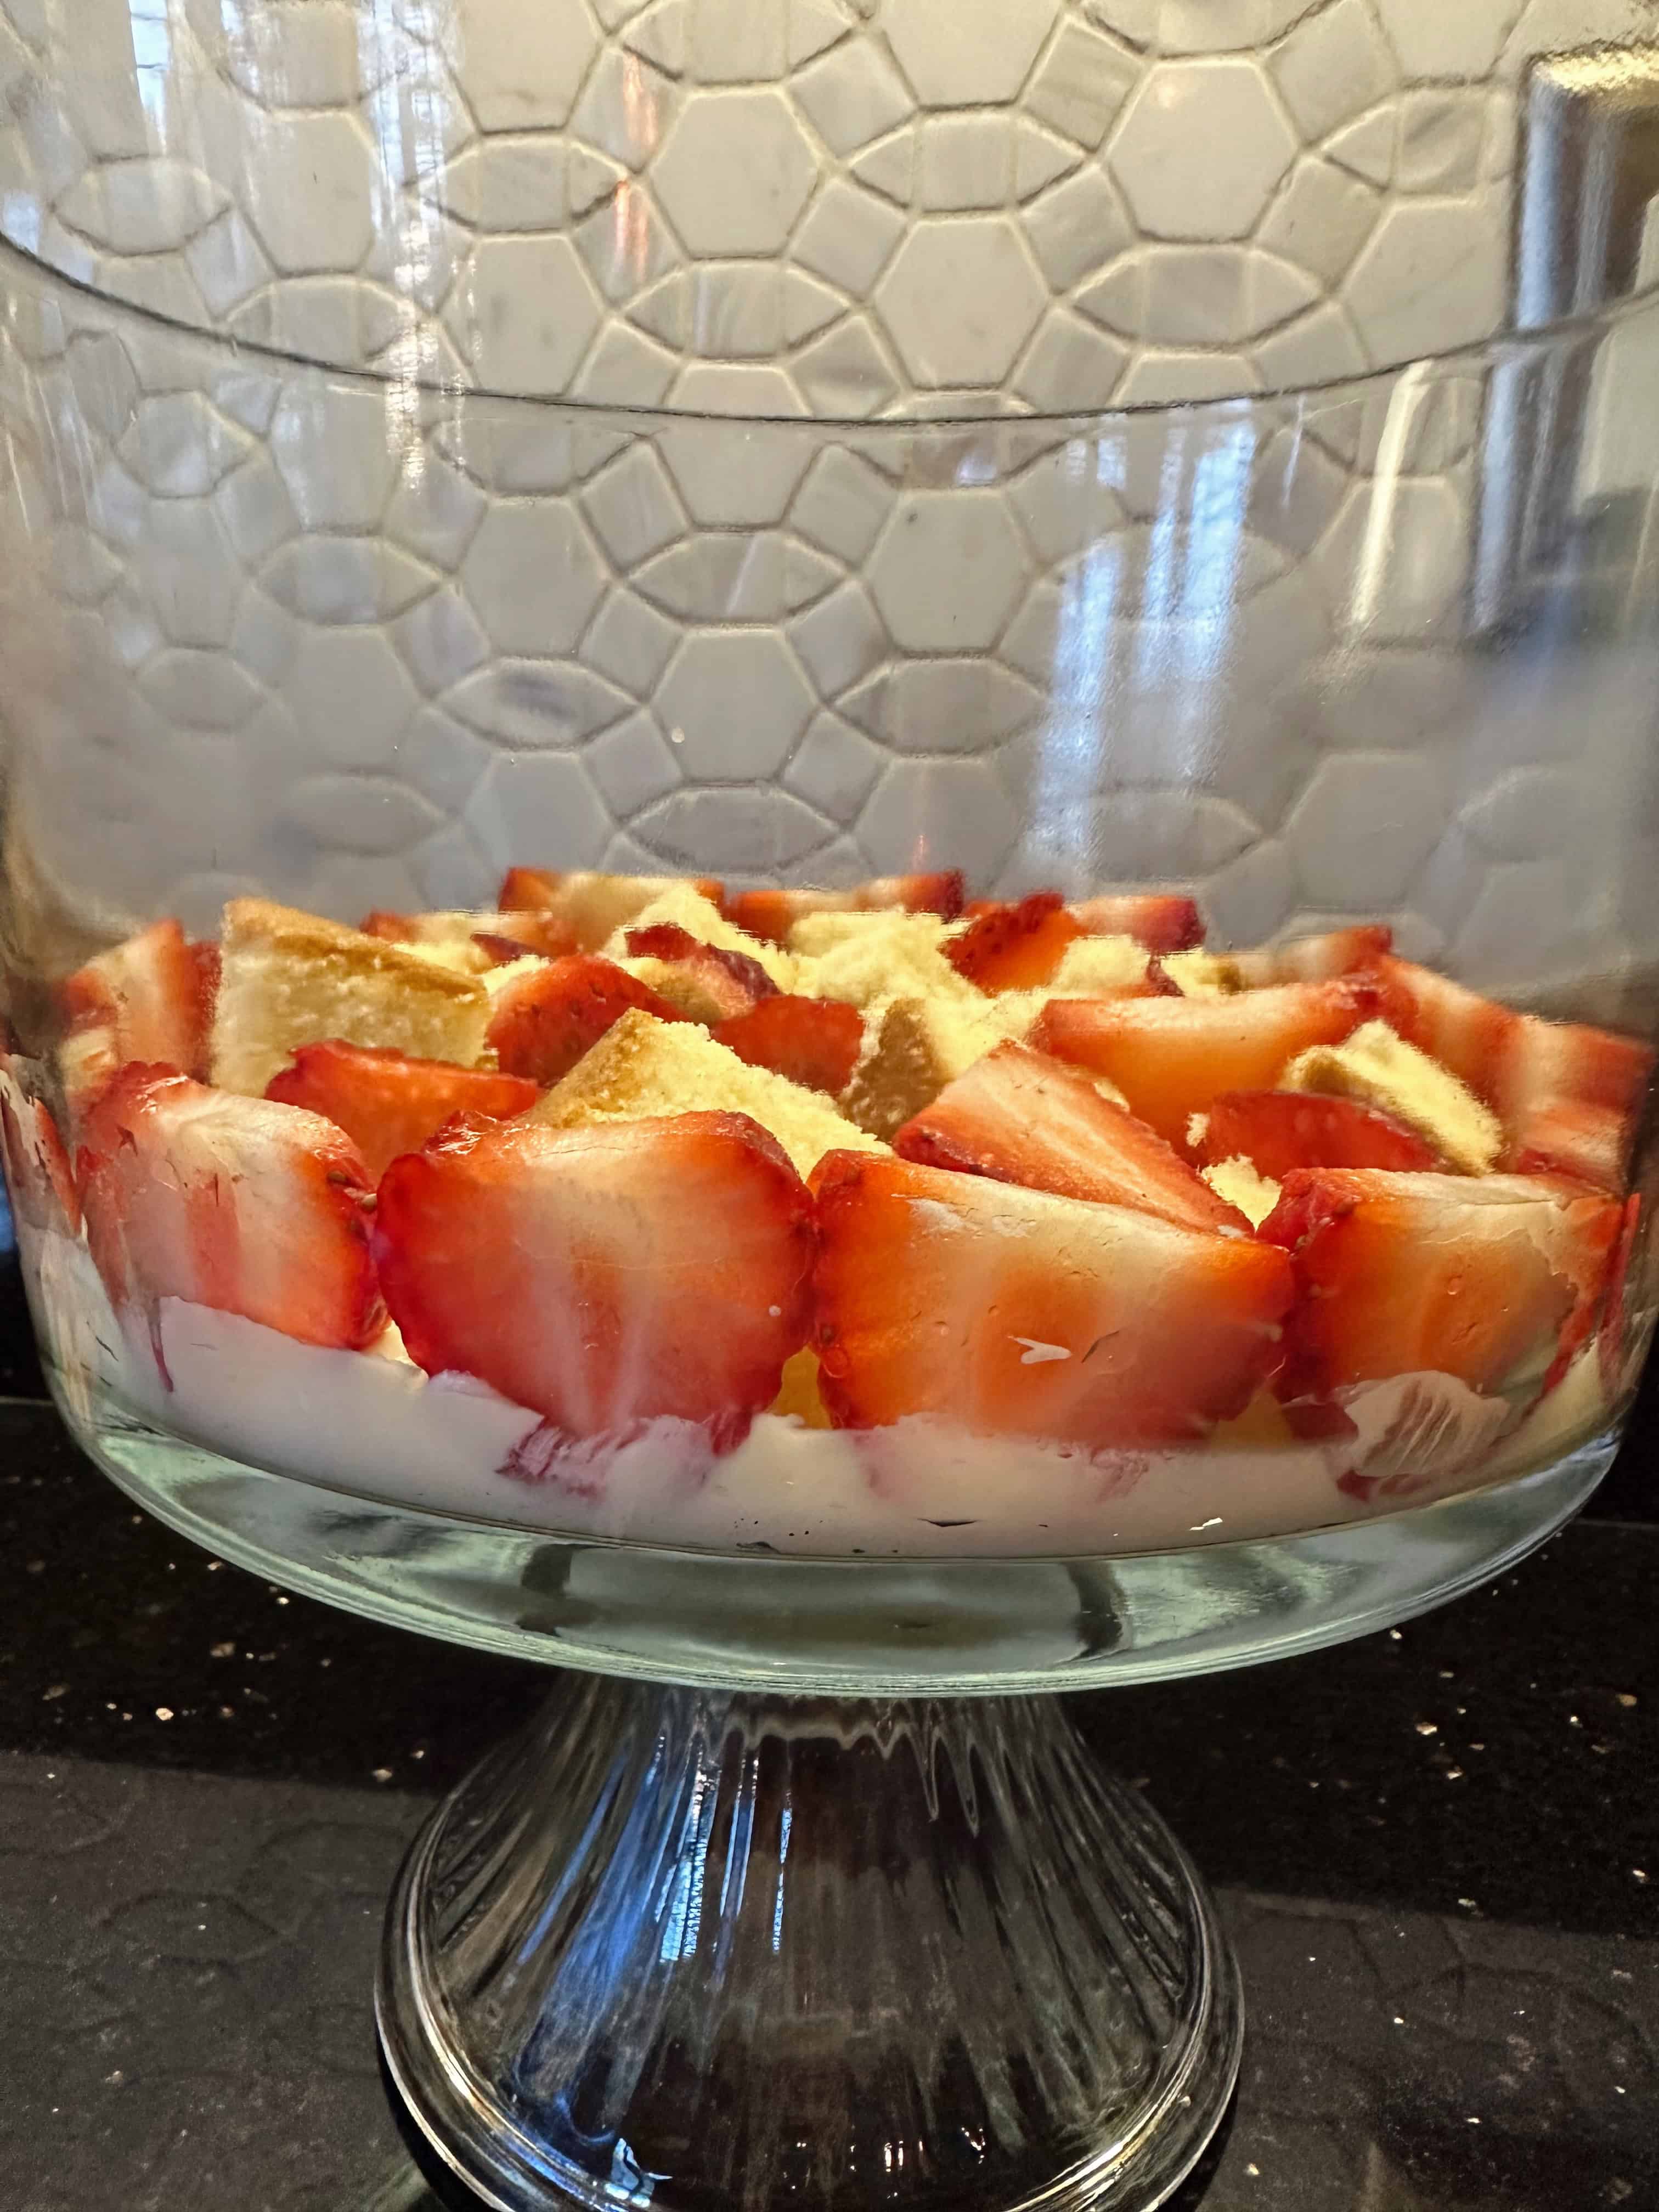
[{"x": 374, "y": 1425}]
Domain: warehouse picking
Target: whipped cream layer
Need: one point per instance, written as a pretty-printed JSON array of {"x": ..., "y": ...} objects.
[{"x": 372, "y": 1424}]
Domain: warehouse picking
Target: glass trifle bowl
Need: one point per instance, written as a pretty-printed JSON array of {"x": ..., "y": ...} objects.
[{"x": 829, "y": 841}]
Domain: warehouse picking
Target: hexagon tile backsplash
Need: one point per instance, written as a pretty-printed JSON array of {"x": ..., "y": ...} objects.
[{"x": 362, "y": 641}]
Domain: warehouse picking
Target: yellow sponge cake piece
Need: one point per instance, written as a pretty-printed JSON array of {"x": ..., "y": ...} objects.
[
  {"x": 1239, "y": 1182},
  {"x": 641, "y": 1066},
  {"x": 289, "y": 978},
  {"x": 1380, "y": 1069},
  {"x": 1098, "y": 968},
  {"x": 870, "y": 958}
]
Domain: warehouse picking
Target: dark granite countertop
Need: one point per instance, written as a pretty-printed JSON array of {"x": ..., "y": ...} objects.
[{"x": 1437, "y": 1851}]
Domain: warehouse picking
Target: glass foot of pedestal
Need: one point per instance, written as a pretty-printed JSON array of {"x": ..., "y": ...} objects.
[{"x": 695, "y": 1950}]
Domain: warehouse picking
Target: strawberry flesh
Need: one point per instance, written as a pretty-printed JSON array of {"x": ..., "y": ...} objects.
[
  {"x": 1015, "y": 948},
  {"x": 1011, "y": 1312},
  {"x": 773, "y": 914},
  {"x": 603, "y": 1276},
  {"x": 1163, "y": 922},
  {"x": 729, "y": 983},
  {"x": 1172, "y": 1058},
  {"x": 149, "y": 998},
  {"x": 37, "y": 1162},
  {"x": 1474, "y": 1277},
  {"x": 543, "y": 1023},
  {"x": 1313, "y": 959},
  {"x": 1278, "y": 1130},
  {"x": 1019, "y": 1117},
  {"x": 813, "y": 1041},
  {"x": 388, "y": 1103},
  {"x": 239, "y": 1204}
]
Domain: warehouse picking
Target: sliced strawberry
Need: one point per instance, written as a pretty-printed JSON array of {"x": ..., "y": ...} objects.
[
  {"x": 1570, "y": 1095},
  {"x": 1019, "y": 1117},
  {"x": 1012, "y": 1312},
  {"x": 148, "y": 999},
  {"x": 603, "y": 1276},
  {"x": 1617, "y": 1342},
  {"x": 1171, "y": 1058},
  {"x": 1161, "y": 920},
  {"x": 1472, "y": 1036},
  {"x": 388, "y": 1103},
  {"x": 38, "y": 1172},
  {"x": 588, "y": 904},
  {"x": 543, "y": 1023},
  {"x": 504, "y": 936},
  {"x": 773, "y": 914},
  {"x": 1015, "y": 948},
  {"x": 236, "y": 1203},
  {"x": 1475, "y": 1277},
  {"x": 1278, "y": 1130},
  {"x": 814, "y": 1041},
  {"x": 1312, "y": 959},
  {"x": 714, "y": 985}
]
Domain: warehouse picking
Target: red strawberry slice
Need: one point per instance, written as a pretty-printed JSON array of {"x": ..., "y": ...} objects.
[
  {"x": 543, "y": 1023},
  {"x": 1161, "y": 920},
  {"x": 813, "y": 1041},
  {"x": 150, "y": 999},
  {"x": 1013, "y": 1312},
  {"x": 590, "y": 906},
  {"x": 388, "y": 1103},
  {"x": 773, "y": 914},
  {"x": 1570, "y": 1095},
  {"x": 504, "y": 936},
  {"x": 239, "y": 1204},
  {"x": 1475, "y": 1277},
  {"x": 38, "y": 1172},
  {"x": 1278, "y": 1130},
  {"x": 1313, "y": 959},
  {"x": 1015, "y": 948},
  {"x": 1172, "y": 1058},
  {"x": 723, "y": 984},
  {"x": 1472, "y": 1036},
  {"x": 1019, "y": 1117},
  {"x": 603, "y": 1276}
]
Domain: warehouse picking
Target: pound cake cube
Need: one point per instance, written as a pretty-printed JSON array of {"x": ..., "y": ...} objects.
[
  {"x": 289, "y": 979},
  {"x": 642, "y": 1067}
]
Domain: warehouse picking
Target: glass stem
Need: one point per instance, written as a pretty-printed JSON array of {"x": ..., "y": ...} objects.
[{"x": 698, "y": 1950}]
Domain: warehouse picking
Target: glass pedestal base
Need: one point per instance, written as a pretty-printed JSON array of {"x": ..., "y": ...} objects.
[{"x": 699, "y": 1951}]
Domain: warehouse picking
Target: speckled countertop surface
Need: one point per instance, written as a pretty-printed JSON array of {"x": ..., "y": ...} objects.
[{"x": 1437, "y": 1851}]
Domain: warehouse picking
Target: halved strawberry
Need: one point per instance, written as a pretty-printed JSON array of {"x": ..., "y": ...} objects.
[
  {"x": 1020, "y": 1116},
  {"x": 715, "y": 985},
  {"x": 543, "y": 1023},
  {"x": 388, "y": 1103},
  {"x": 1312, "y": 959},
  {"x": 1569, "y": 1097},
  {"x": 1171, "y": 1058},
  {"x": 813, "y": 1041},
  {"x": 236, "y": 1203},
  {"x": 1475, "y": 1277},
  {"x": 603, "y": 1276},
  {"x": 38, "y": 1172},
  {"x": 1278, "y": 1130},
  {"x": 1015, "y": 948},
  {"x": 773, "y": 914},
  {"x": 149, "y": 998},
  {"x": 591, "y": 905},
  {"x": 1163, "y": 922},
  {"x": 1012, "y": 1312}
]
